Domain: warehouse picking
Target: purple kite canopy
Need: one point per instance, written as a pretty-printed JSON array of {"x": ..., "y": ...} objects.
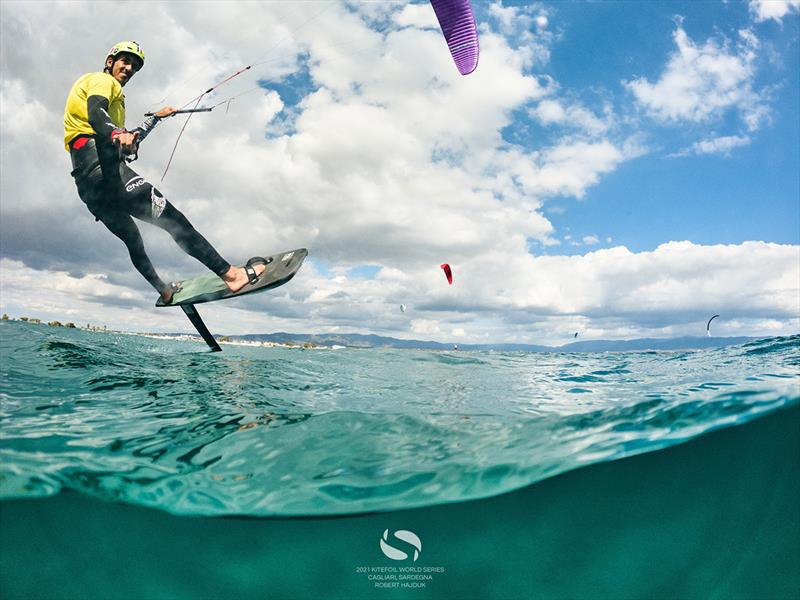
[{"x": 458, "y": 26}]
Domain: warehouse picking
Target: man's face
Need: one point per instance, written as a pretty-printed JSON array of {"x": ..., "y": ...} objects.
[{"x": 123, "y": 66}]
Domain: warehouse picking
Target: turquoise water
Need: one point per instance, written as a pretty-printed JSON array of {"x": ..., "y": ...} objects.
[
  {"x": 717, "y": 517},
  {"x": 259, "y": 432}
]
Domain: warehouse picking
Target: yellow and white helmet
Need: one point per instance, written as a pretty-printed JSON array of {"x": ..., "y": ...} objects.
[{"x": 129, "y": 47}]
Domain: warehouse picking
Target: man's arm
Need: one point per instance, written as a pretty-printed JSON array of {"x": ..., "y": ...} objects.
[
  {"x": 100, "y": 120},
  {"x": 150, "y": 122}
]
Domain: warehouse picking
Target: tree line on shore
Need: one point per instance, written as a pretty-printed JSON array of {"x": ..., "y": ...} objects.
[{"x": 69, "y": 325}]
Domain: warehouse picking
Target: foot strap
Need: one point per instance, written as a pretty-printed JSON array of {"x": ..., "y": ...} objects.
[{"x": 251, "y": 272}]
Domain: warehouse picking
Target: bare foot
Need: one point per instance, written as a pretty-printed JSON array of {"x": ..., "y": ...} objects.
[
  {"x": 168, "y": 292},
  {"x": 236, "y": 277}
]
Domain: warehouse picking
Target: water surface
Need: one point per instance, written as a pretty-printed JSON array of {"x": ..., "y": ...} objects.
[{"x": 277, "y": 431}]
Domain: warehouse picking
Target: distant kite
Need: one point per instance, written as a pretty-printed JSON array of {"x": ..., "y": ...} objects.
[
  {"x": 708, "y": 325},
  {"x": 402, "y": 308},
  {"x": 576, "y": 335},
  {"x": 447, "y": 272}
]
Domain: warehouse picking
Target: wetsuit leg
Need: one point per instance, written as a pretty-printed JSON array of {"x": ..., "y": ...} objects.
[
  {"x": 122, "y": 226},
  {"x": 143, "y": 201},
  {"x": 113, "y": 193},
  {"x": 100, "y": 197}
]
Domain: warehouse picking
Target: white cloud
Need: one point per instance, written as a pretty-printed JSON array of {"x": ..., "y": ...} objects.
[
  {"x": 773, "y": 9},
  {"x": 417, "y": 15},
  {"x": 553, "y": 112},
  {"x": 567, "y": 169},
  {"x": 676, "y": 286},
  {"x": 702, "y": 82},
  {"x": 542, "y": 21},
  {"x": 425, "y": 327},
  {"x": 495, "y": 296},
  {"x": 716, "y": 145},
  {"x": 525, "y": 27},
  {"x": 591, "y": 240},
  {"x": 675, "y": 276}
]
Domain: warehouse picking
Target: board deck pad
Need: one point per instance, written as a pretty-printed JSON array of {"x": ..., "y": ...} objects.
[{"x": 210, "y": 287}]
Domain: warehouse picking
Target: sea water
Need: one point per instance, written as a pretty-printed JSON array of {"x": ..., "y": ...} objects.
[{"x": 275, "y": 431}]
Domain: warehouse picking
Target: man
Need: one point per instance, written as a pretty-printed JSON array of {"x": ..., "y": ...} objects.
[{"x": 96, "y": 138}]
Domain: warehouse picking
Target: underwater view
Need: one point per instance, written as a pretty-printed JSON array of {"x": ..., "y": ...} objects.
[{"x": 96, "y": 422}]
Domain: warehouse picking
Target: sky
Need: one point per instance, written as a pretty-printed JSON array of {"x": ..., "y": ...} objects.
[{"x": 615, "y": 169}]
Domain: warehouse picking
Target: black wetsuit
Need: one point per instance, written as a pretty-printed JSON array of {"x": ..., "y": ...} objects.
[{"x": 114, "y": 193}]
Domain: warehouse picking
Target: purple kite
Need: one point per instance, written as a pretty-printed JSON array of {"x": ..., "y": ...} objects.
[{"x": 458, "y": 26}]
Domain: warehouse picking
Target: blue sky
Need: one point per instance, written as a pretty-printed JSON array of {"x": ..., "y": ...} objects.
[
  {"x": 622, "y": 169},
  {"x": 751, "y": 193}
]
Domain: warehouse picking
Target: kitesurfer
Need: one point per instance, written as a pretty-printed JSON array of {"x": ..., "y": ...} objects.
[{"x": 98, "y": 143}]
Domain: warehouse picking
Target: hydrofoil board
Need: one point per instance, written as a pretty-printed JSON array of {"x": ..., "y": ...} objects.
[{"x": 209, "y": 287}]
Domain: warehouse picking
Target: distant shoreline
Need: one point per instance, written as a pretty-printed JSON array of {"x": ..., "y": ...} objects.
[
  {"x": 181, "y": 337},
  {"x": 365, "y": 341},
  {"x": 223, "y": 339}
]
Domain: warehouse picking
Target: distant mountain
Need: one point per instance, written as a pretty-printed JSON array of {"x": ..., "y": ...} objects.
[
  {"x": 350, "y": 340},
  {"x": 355, "y": 340}
]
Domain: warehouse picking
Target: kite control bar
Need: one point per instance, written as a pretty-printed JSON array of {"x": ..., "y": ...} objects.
[{"x": 186, "y": 110}]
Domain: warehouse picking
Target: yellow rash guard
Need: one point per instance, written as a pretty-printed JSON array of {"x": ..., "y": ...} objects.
[{"x": 76, "y": 112}]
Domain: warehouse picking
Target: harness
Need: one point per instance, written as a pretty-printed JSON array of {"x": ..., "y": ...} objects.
[{"x": 84, "y": 155}]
